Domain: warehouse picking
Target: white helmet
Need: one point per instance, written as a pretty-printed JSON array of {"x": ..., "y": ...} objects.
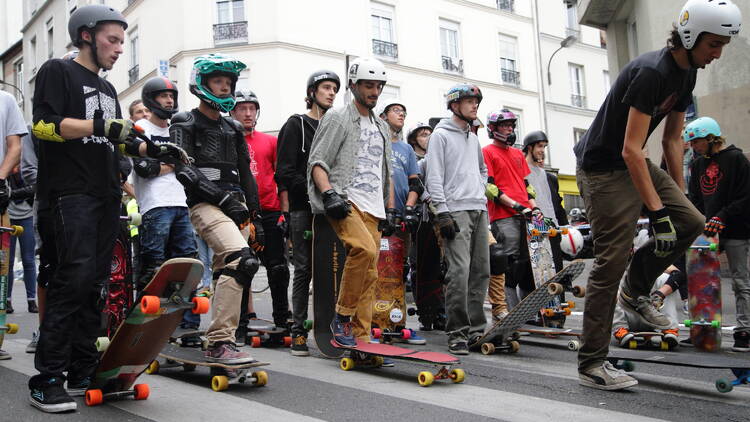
[
  {"x": 366, "y": 69},
  {"x": 572, "y": 243},
  {"x": 386, "y": 105},
  {"x": 720, "y": 17}
]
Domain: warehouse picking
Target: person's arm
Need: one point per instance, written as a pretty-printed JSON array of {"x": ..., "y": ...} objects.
[
  {"x": 320, "y": 178},
  {"x": 435, "y": 169},
  {"x": 12, "y": 155},
  {"x": 672, "y": 145},
  {"x": 29, "y": 160},
  {"x": 391, "y": 203},
  {"x": 289, "y": 173},
  {"x": 128, "y": 188},
  {"x": 636, "y": 133},
  {"x": 324, "y": 149},
  {"x": 739, "y": 199},
  {"x": 411, "y": 199},
  {"x": 694, "y": 189},
  {"x": 554, "y": 188}
]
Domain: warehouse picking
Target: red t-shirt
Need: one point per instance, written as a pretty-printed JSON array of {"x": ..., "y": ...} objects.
[
  {"x": 509, "y": 169},
  {"x": 262, "y": 148}
]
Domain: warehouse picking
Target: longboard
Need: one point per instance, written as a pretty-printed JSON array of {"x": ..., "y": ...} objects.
[
  {"x": 573, "y": 344},
  {"x": 503, "y": 334},
  {"x": 704, "y": 295},
  {"x": 263, "y": 333},
  {"x": 145, "y": 331},
  {"x": 543, "y": 269},
  {"x": 329, "y": 257},
  {"x": 6, "y": 234},
  {"x": 389, "y": 306},
  {"x": 371, "y": 355},
  {"x": 222, "y": 375},
  {"x": 623, "y": 359}
]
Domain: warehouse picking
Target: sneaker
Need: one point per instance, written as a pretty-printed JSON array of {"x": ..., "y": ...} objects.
[
  {"x": 77, "y": 388},
  {"x": 31, "y": 347},
  {"x": 623, "y": 336},
  {"x": 240, "y": 336},
  {"x": 341, "y": 326},
  {"x": 32, "y": 307},
  {"x": 606, "y": 377},
  {"x": 50, "y": 396},
  {"x": 9, "y": 307},
  {"x": 459, "y": 348},
  {"x": 688, "y": 342},
  {"x": 227, "y": 353},
  {"x": 415, "y": 338},
  {"x": 299, "y": 346},
  {"x": 192, "y": 340},
  {"x": 4, "y": 355},
  {"x": 388, "y": 363},
  {"x": 499, "y": 316},
  {"x": 671, "y": 336},
  {"x": 643, "y": 308},
  {"x": 741, "y": 341},
  {"x": 473, "y": 340}
]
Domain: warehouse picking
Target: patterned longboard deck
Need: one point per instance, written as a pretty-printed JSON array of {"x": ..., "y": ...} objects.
[
  {"x": 704, "y": 295},
  {"x": 389, "y": 307}
]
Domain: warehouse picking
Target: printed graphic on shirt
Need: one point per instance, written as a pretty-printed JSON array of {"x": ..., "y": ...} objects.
[
  {"x": 253, "y": 163},
  {"x": 710, "y": 179},
  {"x": 367, "y": 173},
  {"x": 95, "y": 101}
]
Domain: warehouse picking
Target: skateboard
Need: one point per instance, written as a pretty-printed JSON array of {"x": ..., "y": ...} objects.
[
  {"x": 503, "y": 335},
  {"x": 329, "y": 256},
  {"x": 222, "y": 375},
  {"x": 428, "y": 288},
  {"x": 371, "y": 355},
  {"x": 647, "y": 340},
  {"x": 119, "y": 290},
  {"x": 145, "y": 331},
  {"x": 573, "y": 344},
  {"x": 704, "y": 295},
  {"x": 6, "y": 233},
  {"x": 261, "y": 332},
  {"x": 623, "y": 359},
  {"x": 388, "y": 313}
]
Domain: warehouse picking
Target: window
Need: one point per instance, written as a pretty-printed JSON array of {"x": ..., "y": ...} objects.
[
  {"x": 577, "y": 94},
  {"x": 231, "y": 26},
  {"x": 72, "y": 6},
  {"x": 50, "y": 39},
  {"x": 383, "y": 38},
  {"x": 134, "y": 51},
  {"x": 578, "y": 134},
  {"x": 18, "y": 79},
  {"x": 571, "y": 23},
  {"x": 509, "y": 74},
  {"x": 32, "y": 45},
  {"x": 449, "y": 47},
  {"x": 607, "y": 84},
  {"x": 230, "y": 11},
  {"x": 506, "y": 5}
]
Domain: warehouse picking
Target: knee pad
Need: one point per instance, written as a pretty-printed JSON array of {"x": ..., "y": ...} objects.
[
  {"x": 278, "y": 272},
  {"x": 246, "y": 266},
  {"x": 498, "y": 260}
]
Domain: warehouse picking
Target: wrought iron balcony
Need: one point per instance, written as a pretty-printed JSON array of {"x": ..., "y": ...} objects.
[
  {"x": 578, "y": 100},
  {"x": 133, "y": 75},
  {"x": 230, "y": 33},
  {"x": 452, "y": 64},
  {"x": 510, "y": 77},
  {"x": 385, "y": 49},
  {"x": 506, "y": 5}
]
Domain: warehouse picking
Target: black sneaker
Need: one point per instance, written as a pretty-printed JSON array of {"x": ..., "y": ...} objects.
[
  {"x": 299, "y": 346},
  {"x": 688, "y": 342},
  {"x": 77, "y": 388},
  {"x": 741, "y": 341},
  {"x": 459, "y": 348},
  {"x": 8, "y": 307},
  {"x": 50, "y": 396}
]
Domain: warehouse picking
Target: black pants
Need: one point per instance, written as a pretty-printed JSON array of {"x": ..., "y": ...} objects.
[
  {"x": 85, "y": 229},
  {"x": 302, "y": 260},
  {"x": 46, "y": 249}
]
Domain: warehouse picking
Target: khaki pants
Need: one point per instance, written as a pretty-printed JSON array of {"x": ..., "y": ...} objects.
[
  {"x": 224, "y": 238},
  {"x": 613, "y": 206},
  {"x": 359, "y": 234},
  {"x": 496, "y": 291}
]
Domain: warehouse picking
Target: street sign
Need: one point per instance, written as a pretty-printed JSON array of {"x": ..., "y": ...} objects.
[{"x": 163, "y": 68}]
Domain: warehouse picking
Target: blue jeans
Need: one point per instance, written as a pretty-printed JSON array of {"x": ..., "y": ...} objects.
[
  {"x": 206, "y": 255},
  {"x": 28, "y": 247},
  {"x": 166, "y": 232}
]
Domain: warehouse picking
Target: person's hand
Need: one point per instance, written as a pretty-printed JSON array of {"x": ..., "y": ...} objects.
[
  {"x": 283, "y": 223},
  {"x": 411, "y": 219},
  {"x": 714, "y": 227},
  {"x": 392, "y": 220},
  {"x": 336, "y": 207},
  {"x": 257, "y": 236},
  {"x": 118, "y": 131},
  {"x": 5, "y": 194},
  {"x": 665, "y": 235},
  {"x": 524, "y": 211},
  {"x": 446, "y": 224}
]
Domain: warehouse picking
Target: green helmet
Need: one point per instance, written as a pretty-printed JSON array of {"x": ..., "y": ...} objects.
[{"x": 210, "y": 65}]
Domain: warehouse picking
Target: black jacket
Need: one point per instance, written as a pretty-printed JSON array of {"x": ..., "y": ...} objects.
[
  {"x": 292, "y": 152},
  {"x": 554, "y": 189}
]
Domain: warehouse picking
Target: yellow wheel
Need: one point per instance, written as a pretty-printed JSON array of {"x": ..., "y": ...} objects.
[
  {"x": 12, "y": 328},
  {"x": 261, "y": 378},
  {"x": 153, "y": 368},
  {"x": 425, "y": 378},
  {"x": 515, "y": 346},
  {"x": 377, "y": 361},
  {"x": 632, "y": 344},
  {"x": 102, "y": 343},
  {"x": 488, "y": 348},
  {"x": 347, "y": 364},
  {"x": 17, "y": 231},
  {"x": 458, "y": 375},
  {"x": 664, "y": 345},
  {"x": 219, "y": 383},
  {"x": 554, "y": 288}
]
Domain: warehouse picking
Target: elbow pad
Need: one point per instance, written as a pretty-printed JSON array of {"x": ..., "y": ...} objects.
[
  {"x": 415, "y": 185},
  {"x": 194, "y": 180},
  {"x": 48, "y": 130}
]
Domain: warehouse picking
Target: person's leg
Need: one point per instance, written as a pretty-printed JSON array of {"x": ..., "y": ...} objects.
[
  {"x": 458, "y": 255},
  {"x": 277, "y": 269},
  {"x": 302, "y": 260},
  {"x": 154, "y": 234},
  {"x": 496, "y": 289},
  {"x": 362, "y": 320},
  {"x": 181, "y": 244},
  {"x": 737, "y": 251},
  {"x": 507, "y": 232},
  {"x": 479, "y": 273},
  {"x": 28, "y": 247},
  {"x": 205, "y": 254},
  {"x": 47, "y": 255}
]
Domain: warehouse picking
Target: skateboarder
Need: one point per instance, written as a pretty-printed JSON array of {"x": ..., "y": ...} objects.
[
  {"x": 720, "y": 189},
  {"x": 166, "y": 231},
  {"x": 616, "y": 180},
  {"x": 455, "y": 176},
  {"x": 295, "y": 139},
  {"x": 349, "y": 180},
  {"x": 137, "y": 110},
  {"x": 221, "y": 193},
  {"x": 77, "y": 119}
]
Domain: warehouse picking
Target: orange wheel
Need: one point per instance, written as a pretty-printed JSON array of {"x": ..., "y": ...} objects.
[
  {"x": 564, "y": 230},
  {"x": 94, "y": 397},
  {"x": 287, "y": 341},
  {"x": 549, "y": 313},
  {"x": 534, "y": 232},
  {"x": 552, "y": 232},
  {"x": 201, "y": 305},
  {"x": 141, "y": 391},
  {"x": 150, "y": 304},
  {"x": 567, "y": 311},
  {"x": 255, "y": 341},
  {"x": 571, "y": 304}
]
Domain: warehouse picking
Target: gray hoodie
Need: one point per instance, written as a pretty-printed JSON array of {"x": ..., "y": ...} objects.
[{"x": 456, "y": 176}]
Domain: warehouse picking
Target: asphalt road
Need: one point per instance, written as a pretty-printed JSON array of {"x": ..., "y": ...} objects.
[{"x": 538, "y": 383}]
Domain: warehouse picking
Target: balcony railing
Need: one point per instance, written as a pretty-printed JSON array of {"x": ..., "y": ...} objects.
[
  {"x": 510, "y": 77},
  {"x": 385, "y": 49},
  {"x": 506, "y": 5},
  {"x": 230, "y": 33},
  {"x": 453, "y": 64},
  {"x": 576, "y": 32},
  {"x": 133, "y": 75},
  {"x": 578, "y": 100}
]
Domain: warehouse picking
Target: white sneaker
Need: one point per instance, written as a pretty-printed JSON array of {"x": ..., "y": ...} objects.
[{"x": 606, "y": 377}]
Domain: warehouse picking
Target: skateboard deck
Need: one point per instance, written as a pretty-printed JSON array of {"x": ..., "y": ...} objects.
[
  {"x": 704, "y": 295},
  {"x": 503, "y": 334},
  {"x": 145, "y": 331},
  {"x": 371, "y": 355},
  {"x": 573, "y": 344},
  {"x": 119, "y": 289},
  {"x": 6, "y": 234},
  {"x": 261, "y": 332},
  {"x": 428, "y": 290},
  {"x": 222, "y": 375},
  {"x": 329, "y": 256},
  {"x": 388, "y": 313},
  {"x": 543, "y": 269},
  {"x": 623, "y": 359}
]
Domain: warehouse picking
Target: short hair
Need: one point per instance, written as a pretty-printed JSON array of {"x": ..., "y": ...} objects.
[{"x": 133, "y": 104}]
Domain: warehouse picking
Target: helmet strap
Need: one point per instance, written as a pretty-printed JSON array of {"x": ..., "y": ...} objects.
[{"x": 92, "y": 45}]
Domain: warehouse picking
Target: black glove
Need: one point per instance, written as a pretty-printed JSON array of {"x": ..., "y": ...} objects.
[
  {"x": 411, "y": 219},
  {"x": 119, "y": 131},
  {"x": 259, "y": 236},
  {"x": 235, "y": 210},
  {"x": 5, "y": 194},
  {"x": 524, "y": 211},
  {"x": 283, "y": 223},
  {"x": 713, "y": 227},
  {"x": 665, "y": 235},
  {"x": 392, "y": 221},
  {"x": 446, "y": 224},
  {"x": 336, "y": 207}
]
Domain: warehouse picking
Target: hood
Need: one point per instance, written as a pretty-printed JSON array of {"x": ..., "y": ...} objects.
[{"x": 449, "y": 124}]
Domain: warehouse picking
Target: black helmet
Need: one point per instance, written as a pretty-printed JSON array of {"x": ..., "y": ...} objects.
[
  {"x": 90, "y": 16},
  {"x": 315, "y": 79},
  {"x": 246, "y": 96},
  {"x": 533, "y": 137},
  {"x": 154, "y": 86}
]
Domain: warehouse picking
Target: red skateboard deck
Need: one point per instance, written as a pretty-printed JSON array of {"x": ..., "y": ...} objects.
[
  {"x": 704, "y": 295},
  {"x": 389, "y": 306}
]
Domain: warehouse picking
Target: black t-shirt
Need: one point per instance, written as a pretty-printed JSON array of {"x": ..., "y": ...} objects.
[
  {"x": 90, "y": 165},
  {"x": 653, "y": 84}
]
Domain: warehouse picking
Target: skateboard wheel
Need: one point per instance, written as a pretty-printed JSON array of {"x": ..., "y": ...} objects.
[
  {"x": 201, "y": 305},
  {"x": 425, "y": 378},
  {"x": 135, "y": 219},
  {"x": 150, "y": 304},
  {"x": 377, "y": 361},
  {"x": 255, "y": 342},
  {"x": 188, "y": 367},
  {"x": 714, "y": 324},
  {"x": 688, "y": 323},
  {"x": 102, "y": 344},
  {"x": 627, "y": 366},
  {"x": 153, "y": 367},
  {"x": 534, "y": 232},
  {"x": 488, "y": 348},
  {"x": 723, "y": 385},
  {"x": 579, "y": 291},
  {"x": 261, "y": 378},
  {"x": 568, "y": 311},
  {"x": 287, "y": 341},
  {"x": 141, "y": 391},
  {"x": 377, "y": 332},
  {"x": 94, "y": 397},
  {"x": 549, "y": 312},
  {"x": 457, "y": 375},
  {"x": 17, "y": 231},
  {"x": 552, "y": 232},
  {"x": 308, "y": 324},
  {"x": 219, "y": 383},
  {"x": 664, "y": 345},
  {"x": 565, "y": 230},
  {"x": 570, "y": 304},
  {"x": 514, "y": 346},
  {"x": 12, "y": 328},
  {"x": 632, "y": 344},
  {"x": 554, "y": 288},
  {"x": 574, "y": 345},
  {"x": 711, "y": 247},
  {"x": 307, "y": 235},
  {"x": 347, "y": 364},
  {"x": 411, "y": 311},
  {"x": 405, "y": 333}
]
